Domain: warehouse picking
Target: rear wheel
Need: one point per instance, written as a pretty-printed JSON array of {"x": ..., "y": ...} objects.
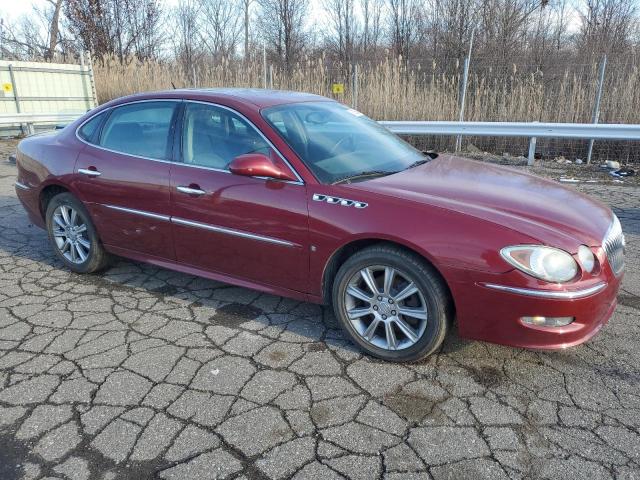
[
  {"x": 73, "y": 236},
  {"x": 392, "y": 303}
]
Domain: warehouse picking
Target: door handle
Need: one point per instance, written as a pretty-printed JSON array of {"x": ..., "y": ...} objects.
[
  {"x": 191, "y": 191},
  {"x": 89, "y": 172}
]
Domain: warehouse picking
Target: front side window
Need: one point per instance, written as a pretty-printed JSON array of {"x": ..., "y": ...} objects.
[
  {"x": 213, "y": 136},
  {"x": 140, "y": 129},
  {"x": 336, "y": 142}
]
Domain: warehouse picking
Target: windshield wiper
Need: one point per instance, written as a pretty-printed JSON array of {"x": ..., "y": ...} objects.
[
  {"x": 418, "y": 163},
  {"x": 368, "y": 173}
]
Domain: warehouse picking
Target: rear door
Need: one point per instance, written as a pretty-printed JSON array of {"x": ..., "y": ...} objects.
[
  {"x": 122, "y": 175},
  {"x": 249, "y": 228}
]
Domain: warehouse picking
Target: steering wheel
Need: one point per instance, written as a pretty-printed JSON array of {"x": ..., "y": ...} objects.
[{"x": 339, "y": 143}]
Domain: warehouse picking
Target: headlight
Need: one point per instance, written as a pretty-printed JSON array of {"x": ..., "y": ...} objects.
[
  {"x": 586, "y": 257},
  {"x": 545, "y": 263}
]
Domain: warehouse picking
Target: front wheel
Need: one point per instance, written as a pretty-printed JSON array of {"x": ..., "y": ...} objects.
[
  {"x": 392, "y": 303},
  {"x": 72, "y": 235}
]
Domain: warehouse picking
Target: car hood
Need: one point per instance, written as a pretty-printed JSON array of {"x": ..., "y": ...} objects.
[{"x": 543, "y": 210}]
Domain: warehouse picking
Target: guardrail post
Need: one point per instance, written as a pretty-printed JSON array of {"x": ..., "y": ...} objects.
[
  {"x": 531, "y": 157},
  {"x": 596, "y": 108},
  {"x": 532, "y": 151}
]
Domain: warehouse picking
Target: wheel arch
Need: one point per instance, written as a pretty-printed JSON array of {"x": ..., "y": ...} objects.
[
  {"x": 47, "y": 193},
  {"x": 340, "y": 255}
]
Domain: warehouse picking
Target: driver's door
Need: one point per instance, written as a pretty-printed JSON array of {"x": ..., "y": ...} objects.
[{"x": 248, "y": 228}]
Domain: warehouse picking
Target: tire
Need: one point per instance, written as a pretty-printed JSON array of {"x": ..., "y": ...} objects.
[
  {"x": 80, "y": 250},
  {"x": 376, "y": 323}
]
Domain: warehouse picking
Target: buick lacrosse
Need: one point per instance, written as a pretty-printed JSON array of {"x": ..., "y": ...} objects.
[{"x": 298, "y": 195}]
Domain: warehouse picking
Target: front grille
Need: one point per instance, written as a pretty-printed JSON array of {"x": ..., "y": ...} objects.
[{"x": 613, "y": 245}]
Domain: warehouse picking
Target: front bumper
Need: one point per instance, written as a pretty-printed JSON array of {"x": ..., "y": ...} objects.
[{"x": 492, "y": 314}]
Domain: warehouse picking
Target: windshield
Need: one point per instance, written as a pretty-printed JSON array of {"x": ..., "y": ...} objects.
[{"x": 338, "y": 143}]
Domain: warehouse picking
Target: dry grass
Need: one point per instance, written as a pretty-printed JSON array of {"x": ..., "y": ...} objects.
[{"x": 387, "y": 90}]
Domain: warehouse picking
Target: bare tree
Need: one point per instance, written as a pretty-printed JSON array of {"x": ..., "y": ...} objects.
[
  {"x": 54, "y": 28},
  {"x": 119, "y": 27},
  {"x": 504, "y": 26},
  {"x": 371, "y": 24},
  {"x": 342, "y": 31},
  {"x": 607, "y": 26},
  {"x": 404, "y": 18},
  {"x": 185, "y": 32},
  {"x": 246, "y": 8},
  {"x": 221, "y": 26},
  {"x": 283, "y": 28}
]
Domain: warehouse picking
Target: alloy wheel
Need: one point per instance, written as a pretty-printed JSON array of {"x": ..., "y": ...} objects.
[
  {"x": 70, "y": 234},
  {"x": 386, "y": 307}
]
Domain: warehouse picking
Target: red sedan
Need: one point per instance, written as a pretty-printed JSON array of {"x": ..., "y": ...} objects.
[{"x": 300, "y": 196}]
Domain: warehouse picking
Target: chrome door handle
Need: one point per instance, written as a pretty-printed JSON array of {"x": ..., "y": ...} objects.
[
  {"x": 90, "y": 173},
  {"x": 191, "y": 191}
]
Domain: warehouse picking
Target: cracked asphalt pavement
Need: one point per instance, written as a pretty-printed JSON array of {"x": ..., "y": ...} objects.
[{"x": 141, "y": 372}]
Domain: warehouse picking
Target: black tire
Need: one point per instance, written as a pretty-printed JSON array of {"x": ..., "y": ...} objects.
[
  {"x": 96, "y": 256},
  {"x": 433, "y": 297}
]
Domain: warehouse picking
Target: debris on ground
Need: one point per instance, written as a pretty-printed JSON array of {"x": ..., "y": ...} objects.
[{"x": 611, "y": 164}]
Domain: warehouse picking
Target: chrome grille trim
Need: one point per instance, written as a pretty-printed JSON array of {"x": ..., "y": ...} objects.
[{"x": 613, "y": 244}]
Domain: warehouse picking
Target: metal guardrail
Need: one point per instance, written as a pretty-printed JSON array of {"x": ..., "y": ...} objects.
[
  {"x": 20, "y": 118},
  {"x": 518, "y": 129},
  {"x": 30, "y": 119},
  {"x": 532, "y": 130}
]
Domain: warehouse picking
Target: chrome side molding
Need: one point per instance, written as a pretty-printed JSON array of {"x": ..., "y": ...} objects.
[
  {"x": 204, "y": 226},
  {"x": 230, "y": 231},
  {"x": 142, "y": 213},
  {"x": 22, "y": 186},
  {"x": 345, "y": 202}
]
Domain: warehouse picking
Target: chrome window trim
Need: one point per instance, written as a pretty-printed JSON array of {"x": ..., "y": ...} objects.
[
  {"x": 204, "y": 226},
  {"x": 560, "y": 295},
  {"x": 230, "y": 231},
  {"x": 22, "y": 186},
  {"x": 183, "y": 100},
  {"x": 142, "y": 213}
]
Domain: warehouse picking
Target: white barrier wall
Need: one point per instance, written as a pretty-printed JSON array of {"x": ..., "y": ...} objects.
[{"x": 44, "y": 88}]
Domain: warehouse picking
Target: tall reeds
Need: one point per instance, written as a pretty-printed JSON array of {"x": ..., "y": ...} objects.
[{"x": 388, "y": 89}]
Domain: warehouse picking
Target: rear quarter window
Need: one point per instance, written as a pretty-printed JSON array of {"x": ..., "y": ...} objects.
[{"x": 89, "y": 131}]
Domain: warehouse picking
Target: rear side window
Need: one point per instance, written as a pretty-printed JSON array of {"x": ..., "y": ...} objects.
[
  {"x": 141, "y": 129},
  {"x": 89, "y": 131}
]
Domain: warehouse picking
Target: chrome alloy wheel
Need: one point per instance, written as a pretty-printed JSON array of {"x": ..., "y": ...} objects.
[
  {"x": 70, "y": 234},
  {"x": 385, "y": 307}
]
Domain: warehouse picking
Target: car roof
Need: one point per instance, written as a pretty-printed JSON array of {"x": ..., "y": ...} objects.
[{"x": 257, "y": 97}]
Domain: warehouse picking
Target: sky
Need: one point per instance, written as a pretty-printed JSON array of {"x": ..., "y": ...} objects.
[{"x": 12, "y": 9}]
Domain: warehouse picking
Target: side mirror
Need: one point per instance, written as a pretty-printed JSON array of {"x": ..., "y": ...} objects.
[{"x": 258, "y": 165}]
